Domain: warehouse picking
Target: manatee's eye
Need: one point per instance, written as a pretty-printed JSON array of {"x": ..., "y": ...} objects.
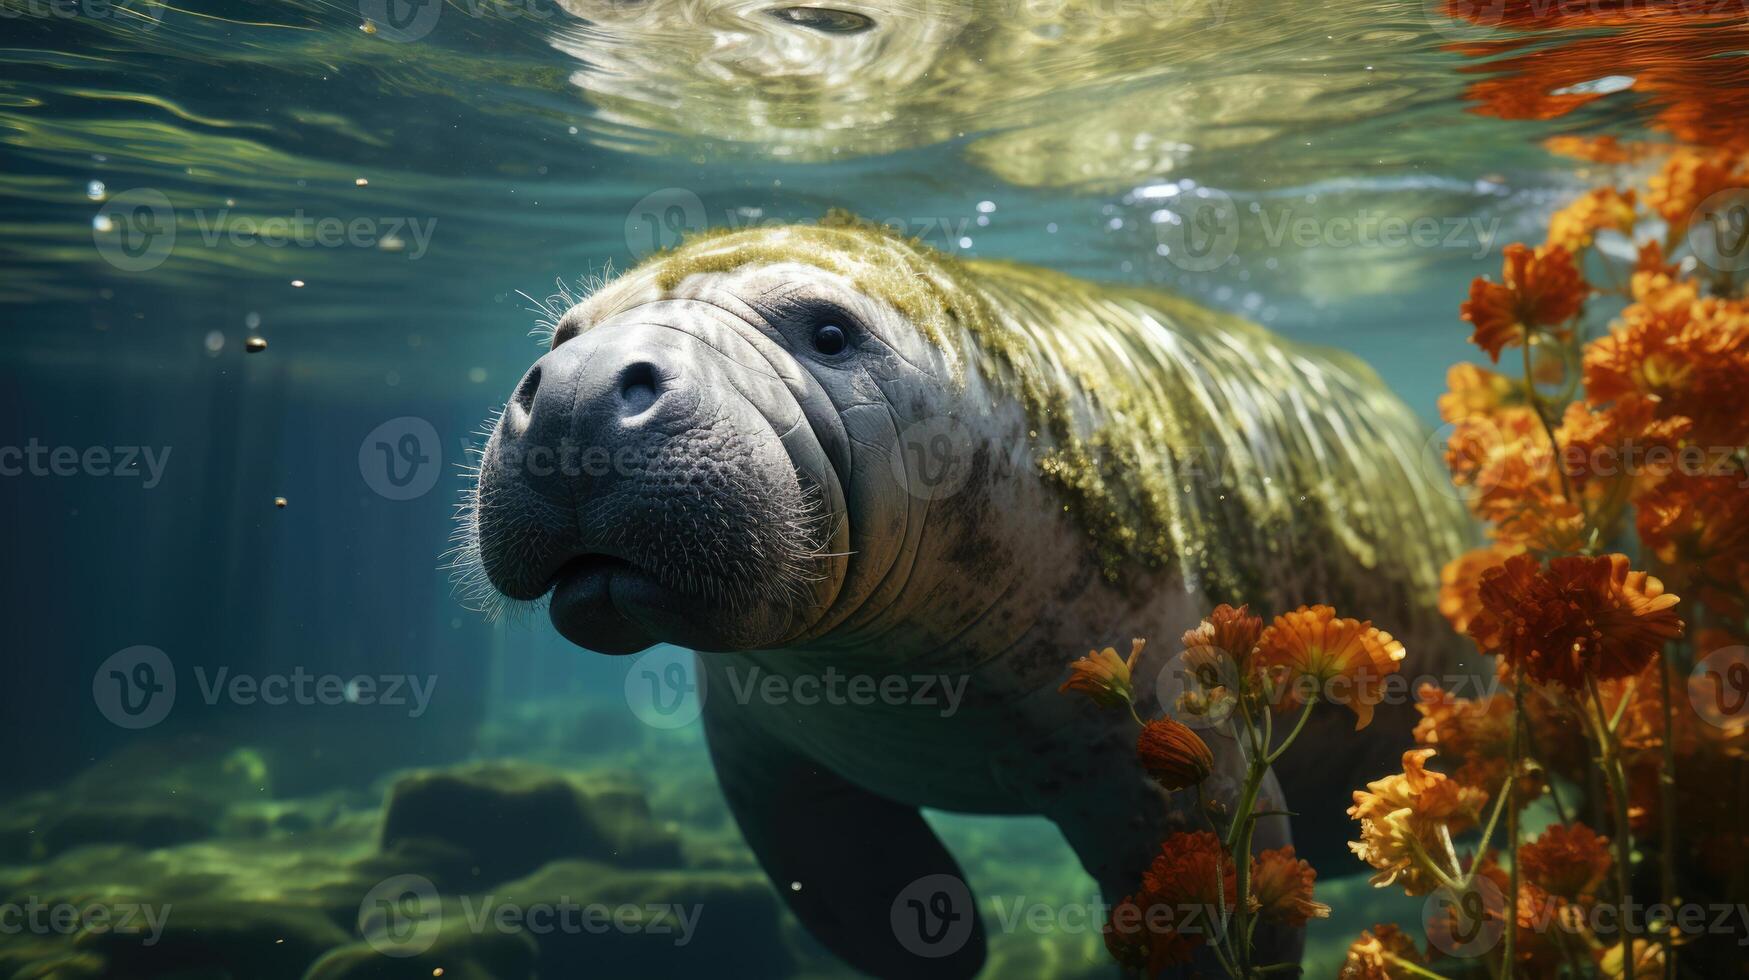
[
  {"x": 830, "y": 340},
  {"x": 824, "y": 19}
]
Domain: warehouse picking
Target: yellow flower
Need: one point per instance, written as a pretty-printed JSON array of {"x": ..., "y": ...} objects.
[
  {"x": 1474, "y": 390},
  {"x": 1404, "y": 819},
  {"x": 1576, "y": 225},
  {"x": 1104, "y": 676},
  {"x": 1688, "y": 178},
  {"x": 1372, "y": 956}
]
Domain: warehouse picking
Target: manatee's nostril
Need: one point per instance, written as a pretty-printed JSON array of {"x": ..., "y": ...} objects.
[
  {"x": 524, "y": 397},
  {"x": 638, "y": 387}
]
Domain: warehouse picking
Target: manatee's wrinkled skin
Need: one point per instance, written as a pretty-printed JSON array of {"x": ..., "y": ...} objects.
[
  {"x": 1076, "y": 93},
  {"x": 1002, "y": 468}
]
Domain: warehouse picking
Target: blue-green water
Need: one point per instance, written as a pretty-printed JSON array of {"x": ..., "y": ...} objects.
[{"x": 376, "y": 192}]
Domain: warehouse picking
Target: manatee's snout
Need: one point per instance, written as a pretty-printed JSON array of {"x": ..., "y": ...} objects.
[{"x": 658, "y": 477}]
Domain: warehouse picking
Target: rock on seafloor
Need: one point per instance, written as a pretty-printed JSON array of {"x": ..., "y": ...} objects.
[
  {"x": 226, "y": 881},
  {"x": 511, "y": 818}
]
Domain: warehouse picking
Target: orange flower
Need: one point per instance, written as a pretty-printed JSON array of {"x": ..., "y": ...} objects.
[
  {"x": 1341, "y": 660},
  {"x": 1544, "y": 924},
  {"x": 1402, "y": 818},
  {"x": 1600, "y": 149},
  {"x": 1462, "y": 576},
  {"x": 1224, "y": 642},
  {"x": 1686, "y": 179},
  {"x": 1688, "y": 357},
  {"x": 1625, "y": 445},
  {"x": 1481, "y": 444},
  {"x": 1650, "y": 260},
  {"x": 1538, "y": 289},
  {"x": 1474, "y": 390},
  {"x": 1576, "y": 225},
  {"x": 1283, "y": 886},
  {"x": 1508, "y": 463},
  {"x": 1179, "y": 906},
  {"x": 1577, "y": 617},
  {"x": 1567, "y": 861},
  {"x": 1476, "y": 734},
  {"x": 1103, "y": 676},
  {"x": 1132, "y": 931},
  {"x": 1375, "y": 954},
  {"x": 1698, "y": 526},
  {"x": 1174, "y": 755}
]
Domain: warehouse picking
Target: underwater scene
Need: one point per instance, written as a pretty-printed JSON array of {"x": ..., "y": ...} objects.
[{"x": 548, "y": 489}]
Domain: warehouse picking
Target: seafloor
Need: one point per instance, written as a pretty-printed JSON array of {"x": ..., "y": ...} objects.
[{"x": 266, "y": 887}]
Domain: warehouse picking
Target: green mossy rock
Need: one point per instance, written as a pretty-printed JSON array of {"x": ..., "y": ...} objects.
[
  {"x": 512, "y": 818},
  {"x": 459, "y": 951},
  {"x": 260, "y": 940},
  {"x": 645, "y": 923}
]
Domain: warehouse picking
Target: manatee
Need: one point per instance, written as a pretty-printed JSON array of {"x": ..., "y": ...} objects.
[{"x": 823, "y": 451}]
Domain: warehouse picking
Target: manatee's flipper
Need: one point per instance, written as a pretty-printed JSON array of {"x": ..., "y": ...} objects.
[
  {"x": 1327, "y": 763},
  {"x": 877, "y": 888}
]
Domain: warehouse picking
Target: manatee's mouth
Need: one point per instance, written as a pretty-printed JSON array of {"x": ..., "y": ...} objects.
[{"x": 596, "y": 601}]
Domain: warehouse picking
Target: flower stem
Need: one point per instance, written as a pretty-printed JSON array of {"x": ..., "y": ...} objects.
[
  {"x": 1624, "y": 831},
  {"x": 1509, "y": 796},
  {"x": 1240, "y": 848},
  {"x": 1412, "y": 969},
  {"x": 1293, "y": 734},
  {"x": 1536, "y": 403},
  {"x": 1667, "y": 818}
]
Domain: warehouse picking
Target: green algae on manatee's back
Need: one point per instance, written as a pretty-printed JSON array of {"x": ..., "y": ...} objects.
[{"x": 1177, "y": 435}]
